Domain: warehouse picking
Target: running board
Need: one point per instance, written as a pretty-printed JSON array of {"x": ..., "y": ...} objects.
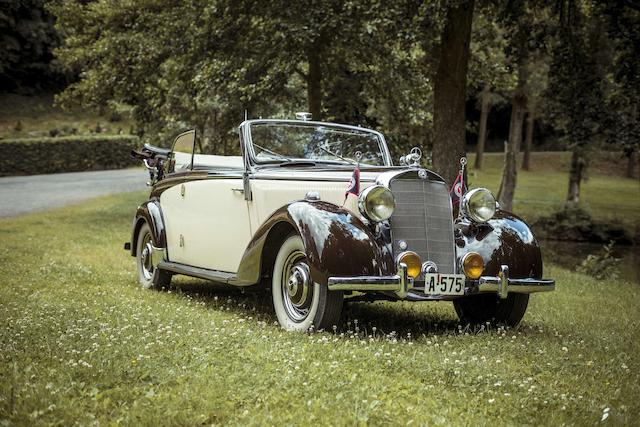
[{"x": 202, "y": 273}]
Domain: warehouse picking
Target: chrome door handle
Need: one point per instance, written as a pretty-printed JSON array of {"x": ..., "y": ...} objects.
[{"x": 238, "y": 190}]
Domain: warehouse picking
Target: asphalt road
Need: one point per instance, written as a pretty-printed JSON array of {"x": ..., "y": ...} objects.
[{"x": 24, "y": 194}]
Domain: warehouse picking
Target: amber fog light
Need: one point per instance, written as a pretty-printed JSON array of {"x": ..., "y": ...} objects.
[
  {"x": 472, "y": 265},
  {"x": 412, "y": 261}
]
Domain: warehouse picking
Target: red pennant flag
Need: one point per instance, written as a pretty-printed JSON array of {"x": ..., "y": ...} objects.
[
  {"x": 458, "y": 189},
  {"x": 354, "y": 183}
]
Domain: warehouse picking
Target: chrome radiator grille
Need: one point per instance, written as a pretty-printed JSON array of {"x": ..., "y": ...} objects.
[{"x": 423, "y": 218}]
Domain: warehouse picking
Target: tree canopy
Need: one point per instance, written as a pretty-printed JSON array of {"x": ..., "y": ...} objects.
[
  {"x": 407, "y": 68},
  {"x": 27, "y": 38}
]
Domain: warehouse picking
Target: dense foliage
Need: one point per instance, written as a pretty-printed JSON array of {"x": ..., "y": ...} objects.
[
  {"x": 27, "y": 38},
  {"x": 31, "y": 156},
  {"x": 203, "y": 64},
  {"x": 569, "y": 66}
]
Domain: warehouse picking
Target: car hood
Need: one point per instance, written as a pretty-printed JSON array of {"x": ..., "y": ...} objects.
[{"x": 301, "y": 173}]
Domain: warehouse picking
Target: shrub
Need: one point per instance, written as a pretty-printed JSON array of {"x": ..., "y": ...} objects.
[
  {"x": 31, "y": 156},
  {"x": 601, "y": 266},
  {"x": 574, "y": 223}
]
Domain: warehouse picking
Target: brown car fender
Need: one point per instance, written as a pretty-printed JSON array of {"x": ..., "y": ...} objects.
[
  {"x": 151, "y": 213},
  {"x": 337, "y": 243},
  {"x": 504, "y": 239}
]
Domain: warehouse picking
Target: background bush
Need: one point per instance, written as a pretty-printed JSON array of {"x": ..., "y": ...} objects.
[
  {"x": 576, "y": 224},
  {"x": 31, "y": 156}
]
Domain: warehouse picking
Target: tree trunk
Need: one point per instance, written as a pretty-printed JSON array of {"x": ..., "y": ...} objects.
[
  {"x": 450, "y": 91},
  {"x": 632, "y": 164},
  {"x": 314, "y": 82},
  {"x": 510, "y": 171},
  {"x": 526, "y": 159},
  {"x": 485, "y": 108},
  {"x": 576, "y": 172}
]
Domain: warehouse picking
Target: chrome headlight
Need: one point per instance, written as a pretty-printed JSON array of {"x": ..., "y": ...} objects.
[
  {"x": 478, "y": 204},
  {"x": 377, "y": 203}
]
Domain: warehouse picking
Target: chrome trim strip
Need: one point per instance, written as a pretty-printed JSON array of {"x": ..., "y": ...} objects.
[
  {"x": 203, "y": 273},
  {"x": 303, "y": 178},
  {"x": 201, "y": 175}
]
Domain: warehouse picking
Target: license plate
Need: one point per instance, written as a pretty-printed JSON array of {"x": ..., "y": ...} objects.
[{"x": 444, "y": 284}]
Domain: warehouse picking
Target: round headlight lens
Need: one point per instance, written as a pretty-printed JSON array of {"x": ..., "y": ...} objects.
[
  {"x": 377, "y": 203},
  {"x": 479, "y": 204},
  {"x": 412, "y": 261}
]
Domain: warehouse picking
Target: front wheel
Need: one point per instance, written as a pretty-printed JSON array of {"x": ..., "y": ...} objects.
[
  {"x": 299, "y": 302},
  {"x": 479, "y": 309}
]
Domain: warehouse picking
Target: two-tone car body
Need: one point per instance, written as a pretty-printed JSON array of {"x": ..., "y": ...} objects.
[{"x": 278, "y": 216}]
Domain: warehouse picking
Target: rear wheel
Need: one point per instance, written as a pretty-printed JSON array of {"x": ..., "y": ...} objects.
[
  {"x": 299, "y": 302},
  {"x": 479, "y": 309},
  {"x": 148, "y": 275}
]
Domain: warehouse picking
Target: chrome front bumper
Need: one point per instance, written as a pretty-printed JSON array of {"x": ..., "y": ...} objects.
[{"x": 402, "y": 285}]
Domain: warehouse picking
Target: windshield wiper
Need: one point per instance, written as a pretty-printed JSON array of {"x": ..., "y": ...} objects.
[
  {"x": 273, "y": 153},
  {"x": 326, "y": 150}
]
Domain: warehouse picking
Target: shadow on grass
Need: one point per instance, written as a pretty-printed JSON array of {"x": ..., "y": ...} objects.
[
  {"x": 403, "y": 320},
  {"x": 407, "y": 320}
]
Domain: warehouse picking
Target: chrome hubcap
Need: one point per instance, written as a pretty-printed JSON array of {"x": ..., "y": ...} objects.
[
  {"x": 145, "y": 258},
  {"x": 297, "y": 287}
]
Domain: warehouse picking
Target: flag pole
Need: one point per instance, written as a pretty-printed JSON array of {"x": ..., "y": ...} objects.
[{"x": 463, "y": 163}]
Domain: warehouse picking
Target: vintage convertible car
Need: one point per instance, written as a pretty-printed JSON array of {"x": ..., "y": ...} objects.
[{"x": 278, "y": 216}]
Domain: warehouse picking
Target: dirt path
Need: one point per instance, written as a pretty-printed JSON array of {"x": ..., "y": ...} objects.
[{"x": 24, "y": 194}]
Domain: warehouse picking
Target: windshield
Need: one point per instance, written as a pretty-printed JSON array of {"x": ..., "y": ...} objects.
[{"x": 285, "y": 142}]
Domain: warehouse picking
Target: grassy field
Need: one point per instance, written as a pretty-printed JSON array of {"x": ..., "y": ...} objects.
[
  {"x": 81, "y": 343},
  {"x": 607, "y": 195},
  {"x": 35, "y": 116}
]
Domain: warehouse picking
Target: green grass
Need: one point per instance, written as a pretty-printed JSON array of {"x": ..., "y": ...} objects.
[
  {"x": 608, "y": 196},
  {"x": 81, "y": 343},
  {"x": 35, "y": 116}
]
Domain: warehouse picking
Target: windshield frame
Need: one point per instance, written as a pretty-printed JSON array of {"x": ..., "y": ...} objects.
[{"x": 248, "y": 149}]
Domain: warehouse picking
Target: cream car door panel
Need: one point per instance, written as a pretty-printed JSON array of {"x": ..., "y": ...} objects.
[{"x": 207, "y": 223}]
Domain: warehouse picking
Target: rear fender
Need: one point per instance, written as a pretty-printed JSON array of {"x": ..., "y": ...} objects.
[
  {"x": 150, "y": 213},
  {"x": 336, "y": 242}
]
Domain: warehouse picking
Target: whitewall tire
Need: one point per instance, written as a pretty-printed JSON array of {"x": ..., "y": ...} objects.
[{"x": 299, "y": 302}]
